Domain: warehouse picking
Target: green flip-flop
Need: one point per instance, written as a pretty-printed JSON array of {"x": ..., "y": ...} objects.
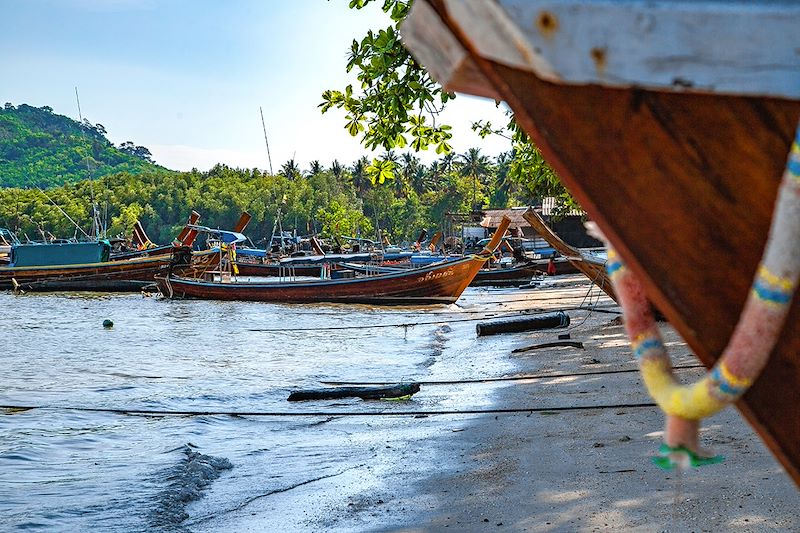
[{"x": 667, "y": 460}]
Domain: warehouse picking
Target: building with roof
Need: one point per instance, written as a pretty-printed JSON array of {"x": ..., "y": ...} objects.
[{"x": 569, "y": 226}]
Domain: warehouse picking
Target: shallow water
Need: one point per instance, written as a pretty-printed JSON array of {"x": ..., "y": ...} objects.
[{"x": 63, "y": 469}]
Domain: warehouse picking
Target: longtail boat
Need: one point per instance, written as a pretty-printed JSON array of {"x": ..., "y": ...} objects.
[
  {"x": 89, "y": 266},
  {"x": 486, "y": 277},
  {"x": 670, "y": 122},
  {"x": 503, "y": 276},
  {"x": 107, "y": 276},
  {"x": 435, "y": 284},
  {"x": 592, "y": 266}
]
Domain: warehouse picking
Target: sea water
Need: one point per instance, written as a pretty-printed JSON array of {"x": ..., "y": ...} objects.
[{"x": 85, "y": 459}]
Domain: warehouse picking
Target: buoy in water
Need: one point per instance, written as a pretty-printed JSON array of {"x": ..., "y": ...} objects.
[{"x": 108, "y": 324}]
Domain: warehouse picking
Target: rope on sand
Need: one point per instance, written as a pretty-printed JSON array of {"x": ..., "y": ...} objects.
[
  {"x": 489, "y": 314},
  {"x": 521, "y": 377},
  {"x": 158, "y": 412}
]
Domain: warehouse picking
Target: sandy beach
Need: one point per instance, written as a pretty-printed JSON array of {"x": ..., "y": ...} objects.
[
  {"x": 540, "y": 469},
  {"x": 582, "y": 470}
]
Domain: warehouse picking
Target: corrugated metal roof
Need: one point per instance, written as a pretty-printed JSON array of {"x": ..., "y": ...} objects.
[
  {"x": 492, "y": 217},
  {"x": 549, "y": 207}
]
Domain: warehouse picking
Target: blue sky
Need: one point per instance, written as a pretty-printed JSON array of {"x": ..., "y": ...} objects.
[{"x": 186, "y": 77}]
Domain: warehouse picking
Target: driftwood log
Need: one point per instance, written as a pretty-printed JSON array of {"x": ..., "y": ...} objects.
[
  {"x": 365, "y": 393},
  {"x": 516, "y": 325}
]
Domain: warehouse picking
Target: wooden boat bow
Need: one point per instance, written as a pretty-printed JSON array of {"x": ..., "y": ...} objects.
[
  {"x": 594, "y": 270},
  {"x": 681, "y": 175}
]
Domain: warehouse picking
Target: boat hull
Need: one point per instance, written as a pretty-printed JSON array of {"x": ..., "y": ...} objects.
[
  {"x": 129, "y": 275},
  {"x": 438, "y": 284},
  {"x": 683, "y": 185},
  {"x": 507, "y": 276}
]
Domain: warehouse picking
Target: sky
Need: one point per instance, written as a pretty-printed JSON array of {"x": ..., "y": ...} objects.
[{"x": 186, "y": 78}]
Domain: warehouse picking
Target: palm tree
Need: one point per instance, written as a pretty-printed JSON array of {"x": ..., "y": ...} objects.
[
  {"x": 447, "y": 162},
  {"x": 421, "y": 179},
  {"x": 315, "y": 168},
  {"x": 409, "y": 165},
  {"x": 360, "y": 178},
  {"x": 290, "y": 170},
  {"x": 389, "y": 155},
  {"x": 503, "y": 183},
  {"x": 337, "y": 169},
  {"x": 476, "y": 166}
]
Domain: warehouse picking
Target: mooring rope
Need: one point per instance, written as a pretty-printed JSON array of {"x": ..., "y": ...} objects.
[
  {"x": 276, "y": 414},
  {"x": 498, "y": 314},
  {"x": 757, "y": 332},
  {"x": 521, "y": 377}
]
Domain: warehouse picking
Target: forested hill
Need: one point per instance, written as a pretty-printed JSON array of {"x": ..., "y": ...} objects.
[{"x": 39, "y": 148}]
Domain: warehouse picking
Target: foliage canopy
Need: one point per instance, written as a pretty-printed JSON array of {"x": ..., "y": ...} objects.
[
  {"x": 39, "y": 148},
  {"x": 398, "y": 100}
]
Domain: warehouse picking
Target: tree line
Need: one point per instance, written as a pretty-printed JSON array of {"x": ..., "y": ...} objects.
[{"x": 334, "y": 199}]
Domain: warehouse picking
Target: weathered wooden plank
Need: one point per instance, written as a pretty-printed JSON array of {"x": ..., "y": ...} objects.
[
  {"x": 722, "y": 47},
  {"x": 445, "y": 59}
]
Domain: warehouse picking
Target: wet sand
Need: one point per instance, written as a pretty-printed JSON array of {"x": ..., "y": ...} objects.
[
  {"x": 581, "y": 470},
  {"x": 586, "y": 470}
]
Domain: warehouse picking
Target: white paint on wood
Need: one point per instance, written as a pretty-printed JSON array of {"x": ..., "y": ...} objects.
[
  {"x": 720, "y": 46},
  {"x": 433, "y": 45},
  {"x": 497, "y": 37}
]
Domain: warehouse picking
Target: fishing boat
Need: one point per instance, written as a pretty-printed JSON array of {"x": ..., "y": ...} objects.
[
  {"x": 434, "y": 284},
  {"x": 143, "y": 246},
  {"x": 507, "y": 276},
  {"x": 592, "y": 265},
  {"x": 495, "y": 276},
  {"x": 670, "y": 122},
  {"x": 89, "y": 266},
  {"x": 95, "y": 273}
]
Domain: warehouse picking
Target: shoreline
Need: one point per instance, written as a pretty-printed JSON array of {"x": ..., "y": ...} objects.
[
  {"x": 590, "y": 470},
  {"x": 580, "y": 470}
]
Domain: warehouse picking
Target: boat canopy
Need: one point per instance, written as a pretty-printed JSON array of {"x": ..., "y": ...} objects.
[
  {"x": 228, "y": 237},
  {"x": 73, "y": 253}
]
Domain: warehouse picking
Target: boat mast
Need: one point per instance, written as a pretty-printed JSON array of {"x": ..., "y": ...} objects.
[
  {"x": 95, "y": 214},
  {"x": 265, "y": 139},
  {"x": 63, "y": 212},
  {"x": 280, "y": 229},
  {"x": 274, "y": 227}
]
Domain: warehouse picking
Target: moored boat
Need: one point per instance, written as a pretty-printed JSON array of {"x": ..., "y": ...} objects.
[
  {"x": 591, "y": 265},
  {"x": 112, "y": 276},
  {"x": 439, "y": 283},
  {"x": 145, "y": 247},
  {"x": 672, "y": 138},
  {"x": 90, "y": 266},
  {"x": 507, "y": 276}
]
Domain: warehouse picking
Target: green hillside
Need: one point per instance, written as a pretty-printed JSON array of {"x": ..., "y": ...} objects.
[{"x": 39, "y": 148}]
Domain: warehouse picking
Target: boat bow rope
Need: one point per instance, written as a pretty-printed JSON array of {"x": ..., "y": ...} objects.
[{"x": 754, "y": 338}]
